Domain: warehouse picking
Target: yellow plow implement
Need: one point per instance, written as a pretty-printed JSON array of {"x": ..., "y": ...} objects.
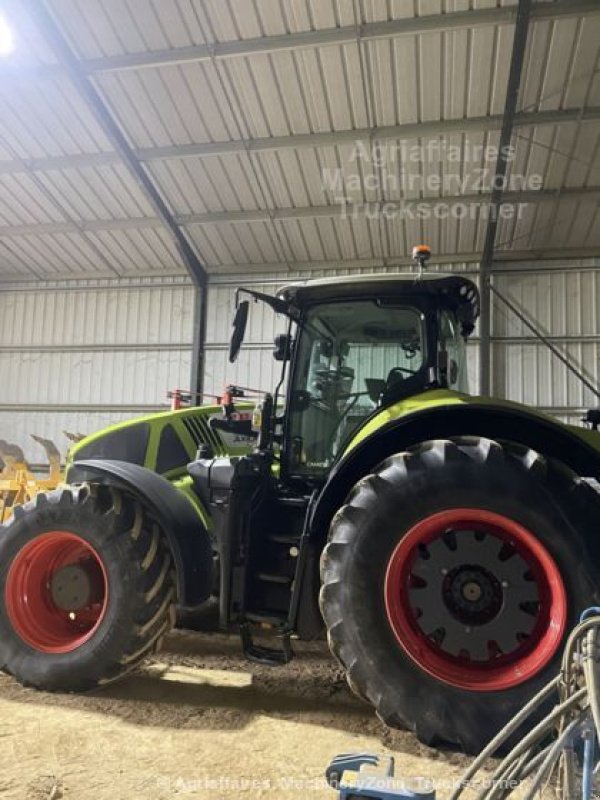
[{"x": 18, "y": 483}]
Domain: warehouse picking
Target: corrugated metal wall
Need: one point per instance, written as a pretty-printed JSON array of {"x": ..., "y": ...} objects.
[
  {"x": 79, "y": 356},
  {"x": 565, "y": 303}
]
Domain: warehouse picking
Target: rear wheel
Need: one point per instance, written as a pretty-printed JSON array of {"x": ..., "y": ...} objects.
[
  {"x": 86, "y": 588},
  {"x": 450, "y": 579}
]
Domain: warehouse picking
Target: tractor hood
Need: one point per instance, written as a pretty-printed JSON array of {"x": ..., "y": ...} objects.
[{"x": 164, "y": 442}]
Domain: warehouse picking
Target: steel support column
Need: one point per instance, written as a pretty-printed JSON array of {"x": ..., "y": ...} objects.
[
  {"x": 510, "y": 107},
  {"x": 199, "y": 344}
]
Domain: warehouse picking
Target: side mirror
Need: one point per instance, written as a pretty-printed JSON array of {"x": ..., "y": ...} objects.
[
  {"x": 465, "y": 316},
  {"x": 283, "y": 347},
  {"x": 239, "y": 329}
]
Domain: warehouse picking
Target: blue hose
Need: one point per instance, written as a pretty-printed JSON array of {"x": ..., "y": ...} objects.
[
  {"x": 588, "y": 765},
  {"x": 590, "y": 612},
  {"x": 589, "y": 743}
]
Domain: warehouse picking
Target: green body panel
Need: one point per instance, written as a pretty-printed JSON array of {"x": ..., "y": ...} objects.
[
  {"x": 190, "y": 436},
  {"x": 157, "y": 422},
  {"x": 438, "y": 398}
]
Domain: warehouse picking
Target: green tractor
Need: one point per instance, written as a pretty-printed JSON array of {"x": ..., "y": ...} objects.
[{"x": 445, "y": 543}]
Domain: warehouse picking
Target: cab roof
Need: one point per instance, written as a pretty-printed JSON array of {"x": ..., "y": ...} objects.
[{"x": 455, "y": 291}]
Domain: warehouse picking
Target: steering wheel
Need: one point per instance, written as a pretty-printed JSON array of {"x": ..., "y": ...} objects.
[
  {"x": 395, "y": 370},
  {"x": 304, "y": 399}
]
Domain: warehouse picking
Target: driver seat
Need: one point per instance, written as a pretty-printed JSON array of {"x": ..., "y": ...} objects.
[{"x": 392, "y": 382}]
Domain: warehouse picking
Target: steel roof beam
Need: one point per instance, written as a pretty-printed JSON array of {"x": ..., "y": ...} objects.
[
  {"x": 422, "y": 130},
  {"x": 345, "y": 35},
  {"x": 372, "y": 31},
  {"x": 301, "y": 212},
  {"x": 407, "y": 131},
  {"x": 506, "y": 261},
  {"x": 510, "y": 261},
  {"x": 375, "y": 208},
  {"x": 75, "y": 161},
  {"x": 90, "y": 226}
]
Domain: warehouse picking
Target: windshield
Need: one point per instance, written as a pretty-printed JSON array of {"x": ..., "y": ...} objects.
[{"x": 351, "y": 357}]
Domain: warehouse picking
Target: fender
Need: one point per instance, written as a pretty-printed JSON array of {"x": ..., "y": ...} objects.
[
  {"x": 544, "y": 435},
  {"x": 188, "y": 539}
]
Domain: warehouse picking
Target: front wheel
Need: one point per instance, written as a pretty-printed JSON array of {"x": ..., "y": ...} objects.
[
  {"x": 450, "y": 579},
  {"x": 87, "y": 588}
]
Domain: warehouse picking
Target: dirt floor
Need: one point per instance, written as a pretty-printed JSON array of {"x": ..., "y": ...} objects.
[{"x": 198, "y": 722}]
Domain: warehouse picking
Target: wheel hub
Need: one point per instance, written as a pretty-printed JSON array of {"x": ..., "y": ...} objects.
[
  {"x": 472, "y": 594},
  {"x": 76, "y": 586}
]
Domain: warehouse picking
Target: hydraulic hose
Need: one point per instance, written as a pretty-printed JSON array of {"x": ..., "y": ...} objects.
[{"x": 547, "y": 754}]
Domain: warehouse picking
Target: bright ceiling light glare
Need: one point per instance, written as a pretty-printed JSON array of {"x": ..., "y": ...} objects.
[{"x": 7, "y": 42}]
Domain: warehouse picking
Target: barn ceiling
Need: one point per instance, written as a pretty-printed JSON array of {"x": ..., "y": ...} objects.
[{"x": 290, "y": 134}]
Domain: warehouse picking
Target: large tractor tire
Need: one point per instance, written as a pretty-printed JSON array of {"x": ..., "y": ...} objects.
[
  {"x": 451, "y": 578},
  {"x": 87, "y": 588}
]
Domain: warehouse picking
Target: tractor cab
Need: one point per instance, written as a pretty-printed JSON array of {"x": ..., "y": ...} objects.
[
  {"x": 364, "y": 344},
  {"x": 355, "y": 346}
]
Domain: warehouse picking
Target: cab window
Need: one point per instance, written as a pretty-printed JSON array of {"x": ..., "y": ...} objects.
[{"x": 350, "y": 357}]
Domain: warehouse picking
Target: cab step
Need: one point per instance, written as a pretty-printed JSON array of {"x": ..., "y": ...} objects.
[
  {"x": 293, "y": 502},
  {"x": 266, "y": 577},
  {"x": 266, "y": 618},
  {"x": 290, "y": 539},
  {"x": 268, "y": 656}
]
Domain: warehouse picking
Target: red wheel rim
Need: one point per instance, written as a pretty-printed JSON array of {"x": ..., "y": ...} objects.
[
  {"x": 56, "y": 592},
  {"x": 475, "y": 599}
]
